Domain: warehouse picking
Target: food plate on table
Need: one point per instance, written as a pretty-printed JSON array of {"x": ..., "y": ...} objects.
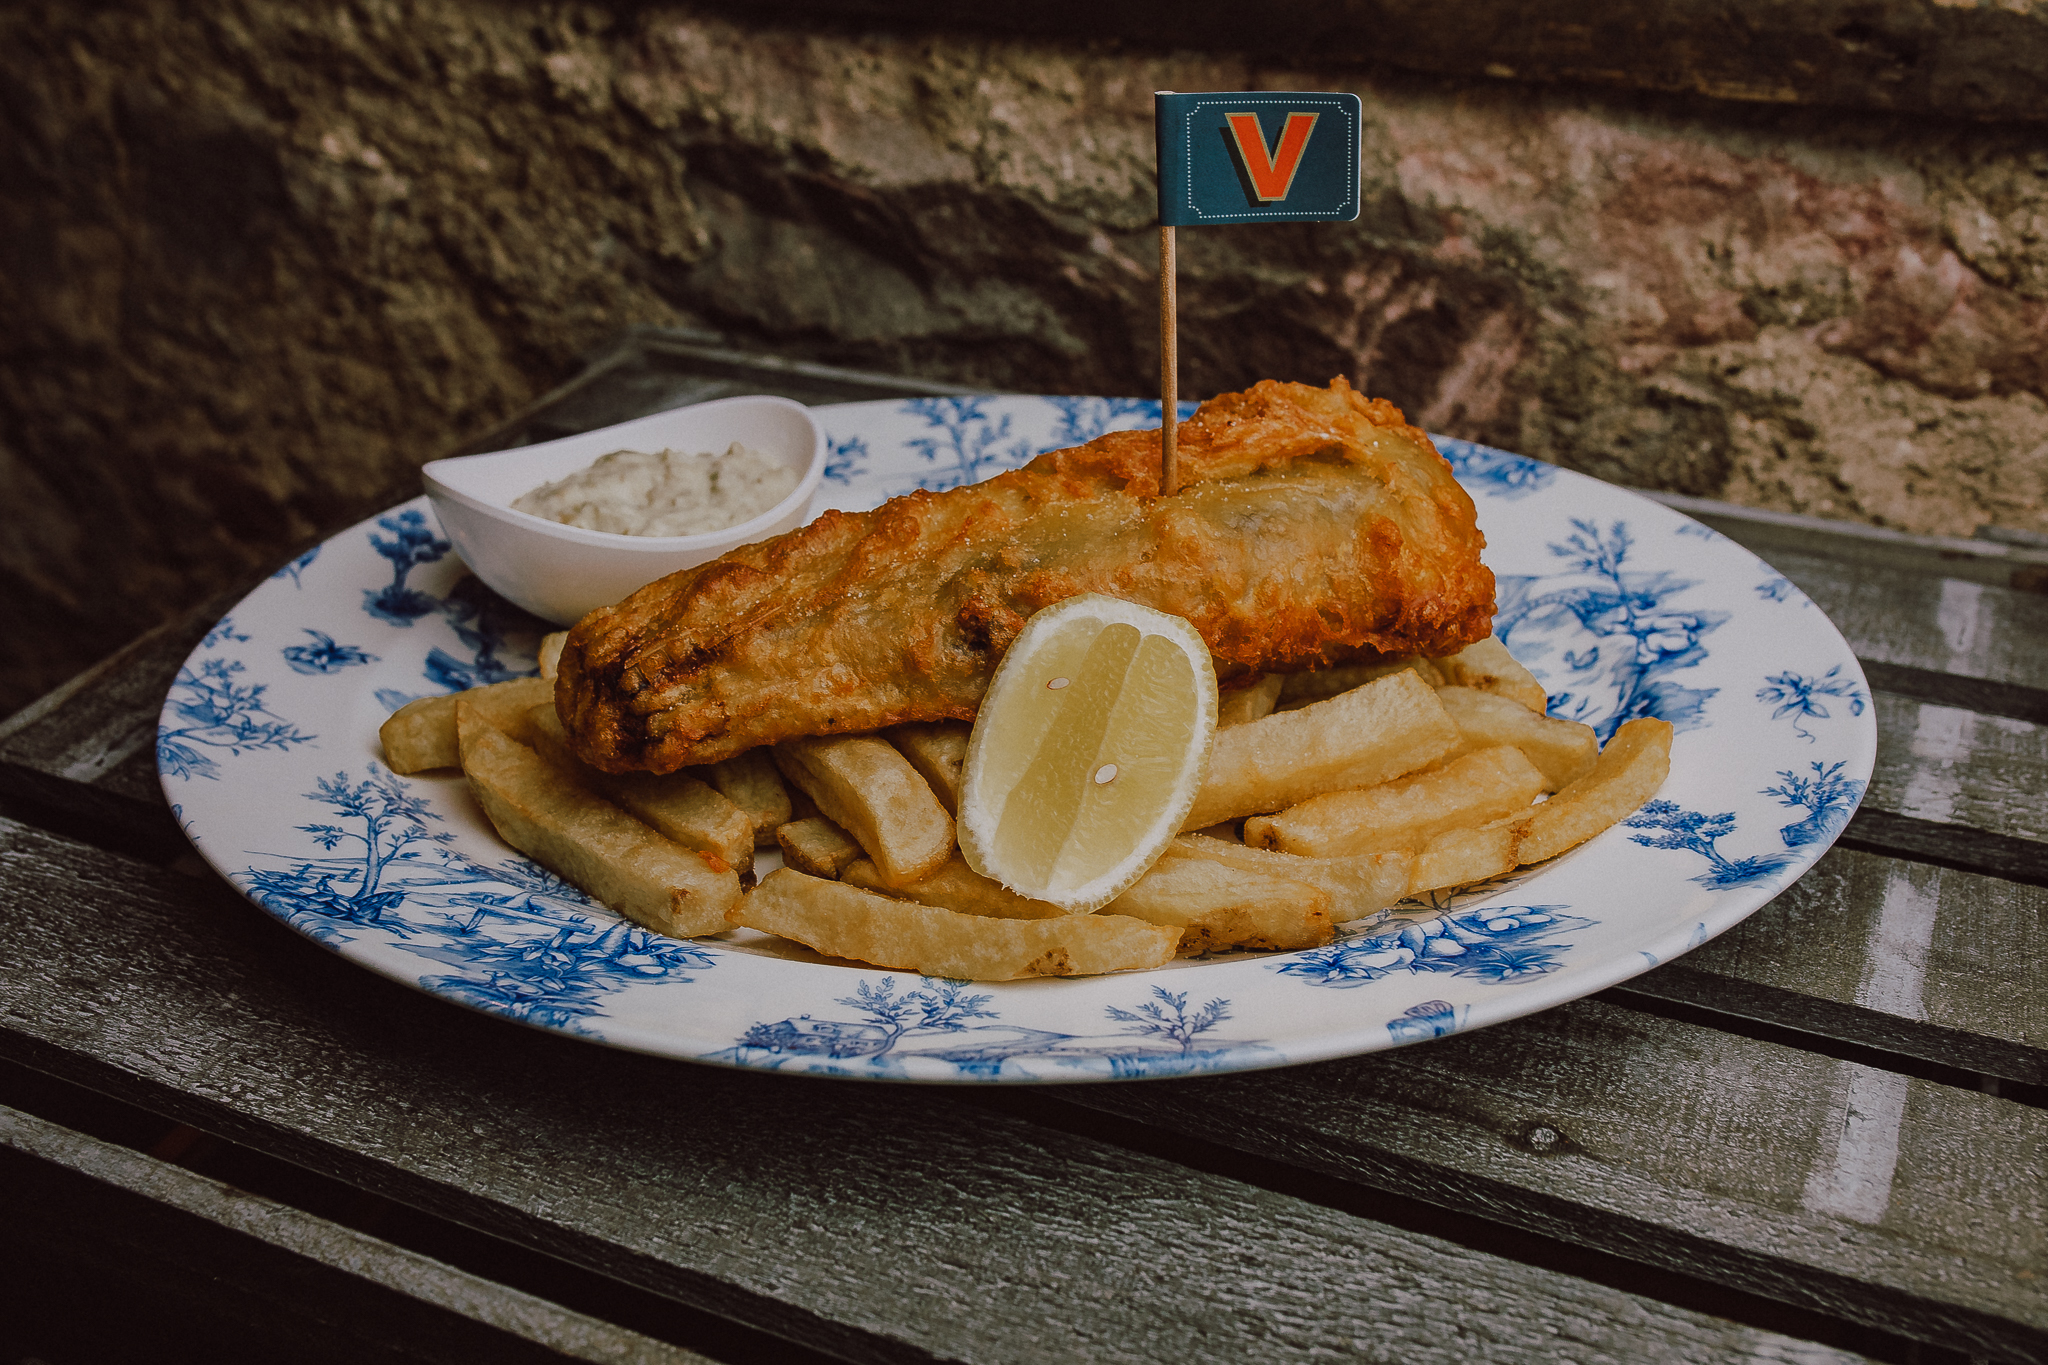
[{"x": 1622, "y": 608}]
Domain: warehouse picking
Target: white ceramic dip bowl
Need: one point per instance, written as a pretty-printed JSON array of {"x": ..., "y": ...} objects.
[{"x": 560, "y": 572}]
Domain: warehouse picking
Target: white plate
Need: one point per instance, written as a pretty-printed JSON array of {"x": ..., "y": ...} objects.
[{"x": 268, "y": 753}]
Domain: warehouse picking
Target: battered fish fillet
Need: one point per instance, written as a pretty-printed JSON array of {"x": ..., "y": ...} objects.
[{"x": 1313, "y": 526}]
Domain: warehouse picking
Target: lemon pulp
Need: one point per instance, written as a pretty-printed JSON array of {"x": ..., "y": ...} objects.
[{"x": 1089, "y": 748}]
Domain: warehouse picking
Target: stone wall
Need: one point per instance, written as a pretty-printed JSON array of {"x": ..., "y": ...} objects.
[
  {"x": 1984, "y": 59},
  {"x": 258, "y": 262}
]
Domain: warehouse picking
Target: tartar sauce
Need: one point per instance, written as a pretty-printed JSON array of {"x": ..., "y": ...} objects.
[{"x": 634, "y": 493}]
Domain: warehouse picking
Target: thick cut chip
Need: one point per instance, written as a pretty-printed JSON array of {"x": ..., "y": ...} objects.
[
  {"x": 1486, "y": 666},
  {"x": 551, "y": 653},
  {"x": 1629, "y": 771},
  {"x": 1357, "y": 886},
  {"x": 1216, "y": 906},
  {"x": 1359, "y": 738},
  {"x": 956, "y": 886},
  {"x": 1303, "y": 689},
  {"x": 863, "y": 785},
  {"x": 840, "y": 920},
  {"x": 501, "y": 707},
  {"x": 818, "y": 846},
  {"x": 674, "y": 804},
  {"x": 938, "y": 750},
  {"x": 1254, "y": 702},
  {"x": 1458, "y": 856},
  {"x": 420, "y": 736},
  {"x": 1562, "y": 750},
  {"x": 594, "y": 845},
  {"x": 1406, "y": 813},
  {"x": 750, "y": 781},
  {"x": 690, "y": 813},
  {"x": 1088, "y": 750}
]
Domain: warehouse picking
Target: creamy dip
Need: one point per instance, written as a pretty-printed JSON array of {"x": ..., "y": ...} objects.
[{"x": 633, "y": 493}]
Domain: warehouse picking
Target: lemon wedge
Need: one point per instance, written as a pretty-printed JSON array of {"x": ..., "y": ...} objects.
[{"x": 1091, "y": 743}]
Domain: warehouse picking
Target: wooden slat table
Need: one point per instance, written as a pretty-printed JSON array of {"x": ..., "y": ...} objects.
[{"x": 1820, "y": 1137}]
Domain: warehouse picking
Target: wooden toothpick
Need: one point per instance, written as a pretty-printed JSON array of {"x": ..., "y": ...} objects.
[{"x": 1169, "y": 367}]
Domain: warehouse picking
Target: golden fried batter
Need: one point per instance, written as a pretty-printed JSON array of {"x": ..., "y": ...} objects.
[{"x": 1313, "y": 526}]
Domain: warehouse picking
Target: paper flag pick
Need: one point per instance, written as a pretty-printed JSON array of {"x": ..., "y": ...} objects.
[{"x": 1257, "y": 156}]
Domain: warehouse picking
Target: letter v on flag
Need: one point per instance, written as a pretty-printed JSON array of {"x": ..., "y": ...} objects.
[
  {"x": 1257, "y": 156},
  {"x": 1271, "y": 174}
]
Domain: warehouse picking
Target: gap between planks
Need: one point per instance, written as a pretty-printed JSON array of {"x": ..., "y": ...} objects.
[
  {"x": 165, "y": 1223},
  {"x": 1984, "y": 696},
  {"x": 1937, "y": 844},
  {"x": 1847, "y": 1032}
]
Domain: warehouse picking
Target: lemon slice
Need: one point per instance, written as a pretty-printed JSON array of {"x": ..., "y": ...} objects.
[{"x": 1090, "y": 746}]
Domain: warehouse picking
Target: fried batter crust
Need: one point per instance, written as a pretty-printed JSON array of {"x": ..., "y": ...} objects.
[{"x": 1313, "y": 526}]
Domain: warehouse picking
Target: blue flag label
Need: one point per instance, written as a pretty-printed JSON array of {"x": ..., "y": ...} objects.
[{"x": 1257, "y": 156}]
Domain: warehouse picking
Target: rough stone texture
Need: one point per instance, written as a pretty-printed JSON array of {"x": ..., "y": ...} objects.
[
  {"x": 1965, "y": 58},
  {"x": 256, "y": 262}
]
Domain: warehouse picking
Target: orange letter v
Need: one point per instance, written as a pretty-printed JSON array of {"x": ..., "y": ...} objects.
[{"x": 1271, "y": 176}]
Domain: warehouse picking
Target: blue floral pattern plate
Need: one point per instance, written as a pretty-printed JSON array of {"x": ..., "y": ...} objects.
[{"x": 268, "y": 752}]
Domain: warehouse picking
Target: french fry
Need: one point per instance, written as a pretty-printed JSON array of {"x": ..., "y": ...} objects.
[
  {"x": 937, "y": 750},
  {"x": 1217, "y": 906},
  {"x": 749, "y": 781},
  {"x": 501, "y": 707},
  {"x": 1458, "y": 856},
  {"x": 817, "y": 846},
  {"x": 1631, "y": 768},
  {"x": 1629, "y": 771},
  {"x": 1488, "y": 667},
  {"x": 551, "y": 653},
  {"x": 869, "y": 790},
  {"x": 676, "y": 805},
  {"x": 420, "y": 736},
  {"x": 956, "y": 886},
  {"x": 593, "y": 844},
  {"x": 545, "y": 734},
  {"x": 1320, "y": 684},
  {"x": 840, "y": 920},
  {"x": 1250, "y": 703},
  {"x": 1406, "y": 813},
  {"x": 1359, "y": 738},
  {"x": 1485, "y": 666},
  {"x": 1562, "y": 750},
  {"x": 1357, "y": 886}
]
